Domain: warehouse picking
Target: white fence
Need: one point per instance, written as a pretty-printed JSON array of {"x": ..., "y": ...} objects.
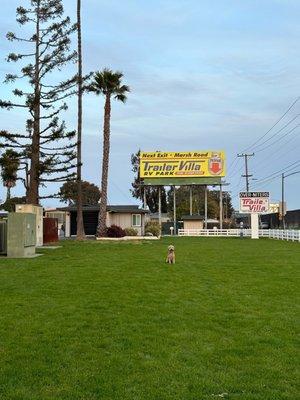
[
  {"x": 285, "y": 234},
  {"x": 268, "y": 233}
]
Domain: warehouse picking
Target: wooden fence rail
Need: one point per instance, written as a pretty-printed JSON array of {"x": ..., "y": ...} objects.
[{"x": 282, "y": 234}]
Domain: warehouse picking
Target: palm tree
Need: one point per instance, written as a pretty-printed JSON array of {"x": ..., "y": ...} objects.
[
  {"x": 9, "y": 163},
  {"x": 80, "y": 227},
  {"x": 109, "y": 84}
]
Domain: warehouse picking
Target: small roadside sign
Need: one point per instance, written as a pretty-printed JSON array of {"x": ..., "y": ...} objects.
[{"x": 254, "y": 202}]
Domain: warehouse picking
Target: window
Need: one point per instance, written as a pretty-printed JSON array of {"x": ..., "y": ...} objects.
[
  {"x": 59, "y": 215},
  {"x": 136, "y": 219}
]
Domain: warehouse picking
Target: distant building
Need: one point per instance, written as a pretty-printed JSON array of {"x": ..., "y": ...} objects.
[
  {"x": 164, "y": 217},
  {"x": 125, "y": 216},
  {"x": 61, "y": 216},
  {"x": 291, "y": 219},
  {"x": 192, "y": 221},
  {"x": 3, "y": 214},
  {"x": 270, "y": 220},
  {"x": 198, "y": 222}
]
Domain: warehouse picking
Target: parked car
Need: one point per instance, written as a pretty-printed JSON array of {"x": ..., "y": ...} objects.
[{"x": 264, "y": 225}]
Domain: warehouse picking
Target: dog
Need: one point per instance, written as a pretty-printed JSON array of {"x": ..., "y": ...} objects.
[{"x": 171, "y": 255}]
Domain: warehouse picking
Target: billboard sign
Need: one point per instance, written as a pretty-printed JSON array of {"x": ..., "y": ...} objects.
[
  {"x": 274, "y": 208},
  {"x": 254, "y": 202},
  {"x": 192, "y": 164},
  {"x": 282, "y": 210}
]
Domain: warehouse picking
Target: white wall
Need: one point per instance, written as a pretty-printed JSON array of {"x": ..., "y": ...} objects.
[
  {"x": 124, "y": 220},
  {"x": 192, "y": 224}
]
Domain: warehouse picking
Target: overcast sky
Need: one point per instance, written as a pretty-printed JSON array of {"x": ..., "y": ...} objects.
[{"x": 204, "y": 75}]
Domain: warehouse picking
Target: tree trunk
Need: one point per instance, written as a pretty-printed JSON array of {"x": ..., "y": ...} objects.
[
  {"x": 8, "y": 193},
  {"x": 80, "y": 226},
  {"x": 101, "y": 229},
  {"x": 33, "y": 191}
]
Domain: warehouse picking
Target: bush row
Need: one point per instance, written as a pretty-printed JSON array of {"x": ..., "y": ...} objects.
[{"x": 151, "y": 229}]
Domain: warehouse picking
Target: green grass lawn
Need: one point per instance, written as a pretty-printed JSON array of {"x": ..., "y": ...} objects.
[{"x": 113, "y": 321}]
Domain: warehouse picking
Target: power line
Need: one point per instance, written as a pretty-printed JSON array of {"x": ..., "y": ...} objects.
[
  {"x": 273, "y": 126},
  {"x": 285, "y": 169},
  {"x": 238, "y": 184},
  {"x": 120, "y": 190},
  {"x": 279, "y": 139},
  {"x": 263, "y": 184},
  {"x": 237, "y": 171},
  {"x": 237, "y": 188},
  {"x": 232, "y": 163},
  {"x": 277, "y": 151},
  {"x": 292, "y": 173},
  {"x": 276, "y": 133}
]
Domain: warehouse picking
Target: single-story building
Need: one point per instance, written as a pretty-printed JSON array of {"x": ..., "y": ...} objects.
[
  {"x": 164, "y": 217},
  {"x": 291, "y": 219},
  {"x": 125, "y": 216},
  {"x": 192, "y": 221},
  {"x": 3, "y": 214},
  {"x": 198, "y": 222},
  {"x": 61, "y": 216}
]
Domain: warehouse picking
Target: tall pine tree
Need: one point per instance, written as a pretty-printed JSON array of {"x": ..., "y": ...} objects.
[
  {"x": 80, "y": 234},
  {"x": 46, "y": 143}
]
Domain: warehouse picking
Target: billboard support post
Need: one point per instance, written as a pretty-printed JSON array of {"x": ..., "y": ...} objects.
[
  {"x": 159, "y": 206},
  {"x": 205, "y": 206},
  {"x": 221, "y": 208},
  {"x": 191, "y": 200},
  {"x": 174, "y": 211},
  {"x": 144, "y": 199}
]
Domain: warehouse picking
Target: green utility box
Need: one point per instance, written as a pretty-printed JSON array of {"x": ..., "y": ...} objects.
[{"x": 21, "y": 235}]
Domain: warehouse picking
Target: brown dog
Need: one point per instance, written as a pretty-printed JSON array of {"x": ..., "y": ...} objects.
[{"x": 171, "y": 255}]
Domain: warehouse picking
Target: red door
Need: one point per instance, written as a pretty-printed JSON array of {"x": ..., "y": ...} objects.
[{"x": 50, "y": 230}]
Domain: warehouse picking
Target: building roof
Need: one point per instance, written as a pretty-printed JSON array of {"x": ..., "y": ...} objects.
[
  {"x": 192, "y": 217},
  {"x": 3, "y": 213},
  {"x": 156, "y": 215},
  {"x": 110, "y": 208}
]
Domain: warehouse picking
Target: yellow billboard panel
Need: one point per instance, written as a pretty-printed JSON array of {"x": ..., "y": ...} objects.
[{"x": 188, "y": 164}]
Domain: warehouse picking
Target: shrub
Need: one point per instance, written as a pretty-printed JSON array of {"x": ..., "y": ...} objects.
[
  {"x": 11, "y": 203},
  {"x": 152, "y": 228},
  {"x": 130, "y": 232},
  {"x": 115, "y": 231}
]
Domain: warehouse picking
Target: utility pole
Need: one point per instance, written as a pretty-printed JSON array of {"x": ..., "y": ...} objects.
[
  {"x": 283, "y": 207},
  {"x": 246, "y": 175},
  {"x": 282, "y": 200}
]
